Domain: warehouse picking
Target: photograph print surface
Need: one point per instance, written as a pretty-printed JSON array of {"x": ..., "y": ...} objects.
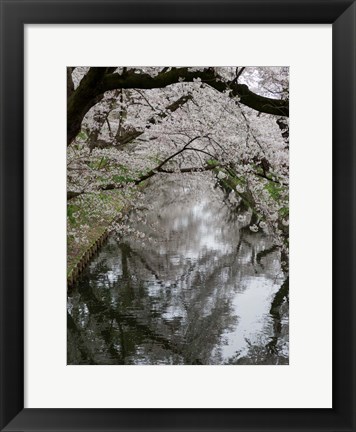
[{"x": 178, "y": 215}]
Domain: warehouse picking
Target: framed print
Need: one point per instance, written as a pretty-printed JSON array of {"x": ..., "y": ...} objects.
[{"x": 179, "y": 320}]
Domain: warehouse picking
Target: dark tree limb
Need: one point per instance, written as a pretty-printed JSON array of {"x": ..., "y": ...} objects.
[
  {"x": 88, "y": 93},
  {"x": 71, "y": 195},
  {"x": 97, "y": 81},
  {"x": 154, "y": 171},
  {"x": 112, "y": 186},
  {"x": 70, "y": 84},
  {"x": 131, "y": 134},
  {"x": 208, "y": 76}
]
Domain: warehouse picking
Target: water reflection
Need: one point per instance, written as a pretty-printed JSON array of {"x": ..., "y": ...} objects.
[{"x": 201, "y": 292}]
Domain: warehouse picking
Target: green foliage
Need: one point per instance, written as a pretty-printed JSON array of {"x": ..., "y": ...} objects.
[
  {"x": 274, "y": 190},
  {"x": 212, "y": 162},
  {"x": 71, "y": 209},
  {"x": 155, "y": 158},
  {"x": 284, "y": 212},
  {"x": 122, "y": 179},
  {"x": 82, "y": 135}
]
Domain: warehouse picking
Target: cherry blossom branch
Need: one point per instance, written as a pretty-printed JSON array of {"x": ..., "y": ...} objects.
[
  {"x": 97, "y": 81},
  {"x": 155, "y": 170},
  {"x": 208, "y": 76}
]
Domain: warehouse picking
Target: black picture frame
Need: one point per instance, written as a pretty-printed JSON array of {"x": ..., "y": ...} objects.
[{"x": 14, "y": 14}]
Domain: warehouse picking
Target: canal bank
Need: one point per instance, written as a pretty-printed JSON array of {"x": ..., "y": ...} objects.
[{"x": 88, "y": 227}]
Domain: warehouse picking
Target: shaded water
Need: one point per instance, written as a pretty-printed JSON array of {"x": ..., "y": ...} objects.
[{"x": 200, "y": 292}]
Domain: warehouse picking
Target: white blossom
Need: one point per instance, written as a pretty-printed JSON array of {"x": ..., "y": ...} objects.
[{"x": 221, "y": 175}]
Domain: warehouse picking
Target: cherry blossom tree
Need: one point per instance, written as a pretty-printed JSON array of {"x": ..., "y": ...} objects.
[{"x": 128, "y": 125}]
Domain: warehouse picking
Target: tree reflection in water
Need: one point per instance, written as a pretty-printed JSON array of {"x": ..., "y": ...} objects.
[{"x": 201, "y": 292}]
